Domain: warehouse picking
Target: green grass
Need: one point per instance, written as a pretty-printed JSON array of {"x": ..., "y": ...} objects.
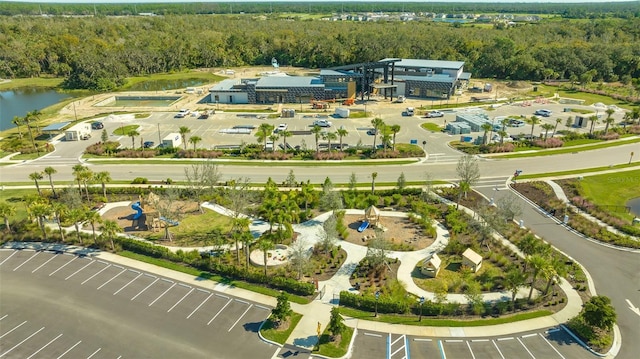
[
  {"x": 579, "y": 110},
  {"x": 32, "y": 82},
  {"x": 612, "y": 188},
  {"x": 124, "y": 130},
  {"x": 14, "y": 198},
  {"x": 577, "y": 172},
  {"x": 309, "y": 163},
  {"x": 177, "y": 76},
  {"x": 451, "y": 276},
  {"x": 214, "y": 277},
  {"x": 279, "y": 336},
  {"x": 142, "y": 115},
  {"x": 589, "y": 98},
  {"x": 331, "y": 350},
  {"x": 429, "y": 126},
  {"x": 358, "y": 114},
  {"x": 563, "y": 150},
  {"x": 581, "y": 141},
  {"x": 27, "y": 156},
  {"x": 426, "y": 321},
  {"x": 191, "y": 225}
]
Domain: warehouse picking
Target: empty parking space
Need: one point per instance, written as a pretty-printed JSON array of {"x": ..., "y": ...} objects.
[
  {"x": 423, "y": 348},
  {"x": 484, "y": 348},
  {"x": 539, "y": 347},
  {"x": 565, "y": 344},
  {"x": 511, "y": 347},
  {"x": 369, "y": 345},
  {"x": 67, "y": 267},
  {"x": 456, "y": 348},
  {"x": 210, "y": 308}
]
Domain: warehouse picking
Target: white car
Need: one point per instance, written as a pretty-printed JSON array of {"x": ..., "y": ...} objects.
[
  {"x": 281, "y": 127},
  {"x": 183, "y": 113},
  {"x": 433, "y": 114},
  {"x": 544, "y": 113},
  {"x": 322, "y": 123}
]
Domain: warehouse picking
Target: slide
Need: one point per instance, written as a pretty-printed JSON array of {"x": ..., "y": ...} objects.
[
  {"x": 170, "y": 221},
  {"x": 136, "y": 207},
  {"x": 363, "y": 226}
]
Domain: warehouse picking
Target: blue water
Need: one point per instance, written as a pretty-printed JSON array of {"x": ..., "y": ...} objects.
[
  {"x": 20, "y": 102},
  {"x": 634, "y": 204}
]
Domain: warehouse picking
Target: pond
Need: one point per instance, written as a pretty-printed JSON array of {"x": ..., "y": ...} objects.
[
  {"x": 20, "y": 102},
  {"x": 634, "y": 204},
  {"x": 162, "y": 85}
]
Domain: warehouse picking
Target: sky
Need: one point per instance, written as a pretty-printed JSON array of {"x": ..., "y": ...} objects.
[{"x": 405, "y": 1}]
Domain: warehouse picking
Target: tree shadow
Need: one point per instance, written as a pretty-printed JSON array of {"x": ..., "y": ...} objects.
[
  {"x": 307, "y": 342},
  {"x": 252, "y": 327}
]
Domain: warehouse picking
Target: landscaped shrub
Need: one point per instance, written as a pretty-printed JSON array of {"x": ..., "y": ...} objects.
[
  {"x": 497, "y": 148},
  {"x": 277, "y": 155},
  {"x": 325, "y": 156},
  {"x": 102, "y": 148},
  {"x": 368, "y": 302},
  {"x": 548, "y": 143},
  {"x": 198, "y": 154},
  {"x": 386, "y": 154},
  {"x": 139, "y": 180},
  {"x": 609, "y": 136},
  {"x": 136, "y": 154}
]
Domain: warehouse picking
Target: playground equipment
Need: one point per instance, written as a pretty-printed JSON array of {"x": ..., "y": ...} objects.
[
  {"x": 170, "y": 221},
  {"x": 136, "y": 207},
  {"x": 363, "y": 226},
  {"x": 372, "y": 215}
]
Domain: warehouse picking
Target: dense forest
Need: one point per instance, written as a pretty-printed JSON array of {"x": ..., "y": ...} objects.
[{"x": 99, "y": 52}]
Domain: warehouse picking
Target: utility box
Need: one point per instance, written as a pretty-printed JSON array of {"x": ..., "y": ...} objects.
[
  {"x": 172, "y": 140},
  {"x": 81, "y": 131},
  {"x": 342, "y": 112}
]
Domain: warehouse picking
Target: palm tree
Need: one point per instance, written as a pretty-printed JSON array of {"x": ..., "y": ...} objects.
[
  {"x": 486, "y": 127},
  {"x": 133, "y": 134},
  {"x": 341, "y": 132},
  {"x": 93, "y": 218},
  {"x": 555, "y": 128},
  {"x": 265, "y": 245},
  {"x": 60, "y": 210},
  {"x": 109, "y": 230},
  {"x": 635, "y": 115},
  {"x": 537, "y": 264},
  {"x": 330, "y": 136},
  {"x": 77, "y": 173},
  {"x": 77, "y": 216},
  {"x": 554, "y": 271},
  {"x": 502, "y": 134},
  {"x": 284, "y": 134},
  {"x": 239, "y": 225},
  {"x": 36, "y": 176},
  {"x": 374, "y": 175},
  {"x": 546, "y": 127},
  {"x": 394, "y": 129},
  {"x": 377, "y": 124},
  {"x": 41, "y": 210},
  {"x": 534, "y": 120},
  {"x": 35, "y": 116},
  {"x": 103, "y": 177},
  {"x": 513, "y": 280},
  {"x": 183, "y": 130},
  {"x": 385, "y": 138},
  {"x": 273, "y": 138},
  {"x": 609, "y": 120},
  {"x": 18, "y": 121},
  {"x": 593, "y": 119},
  {"x": 50, "y": 171},
  {"x": 316, "y": 130},
  {"x": 263, "y": 134},
  {"x": 6, "y": 211},
  {"x": 195, "y": 140},
  {"x": 27, "y": 121}
]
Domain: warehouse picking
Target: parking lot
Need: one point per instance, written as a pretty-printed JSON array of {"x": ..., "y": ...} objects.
[
  {"x": 547, "y": 344},
  {"x": 57, "y": 305}
]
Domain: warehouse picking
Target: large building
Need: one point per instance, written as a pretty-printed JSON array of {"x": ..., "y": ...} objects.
[{"x": 389, "y": 77}]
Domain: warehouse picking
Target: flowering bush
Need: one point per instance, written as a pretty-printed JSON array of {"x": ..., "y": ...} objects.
[
  {"x": 385, "y": 154},
  {"x": 322, "y": 156},
  {"x": 497, "y": 148},
  {"x": 198, "y": 154},
  {"x": 278, "y": 155},
  {"x": 136, "y": 154},
  {"x": 609, "y": 136},
  {"x": 548, "y": 143}
]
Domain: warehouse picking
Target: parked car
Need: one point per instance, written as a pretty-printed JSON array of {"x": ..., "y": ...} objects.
[
  {"x": 183, "y": 113},
  {"x": 409, "y": 111},
  {"x": 432, "y": 114},
  {"x": 97, "y": 125},
  {"x": 372, "y": 132},
  {"x": 401, "y": 99},
  {"x": 281, "y": 127},
  {"x": 543, "y": 112},
  {"x": 204, "y": 116},
  {"x": 148, "y": 144},
  {"x": 322, "y": 123},
  {"x": 516, "y": 123}
]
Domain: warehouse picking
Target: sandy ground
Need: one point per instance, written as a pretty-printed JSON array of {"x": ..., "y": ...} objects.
[{"x": 398, "y": 231}]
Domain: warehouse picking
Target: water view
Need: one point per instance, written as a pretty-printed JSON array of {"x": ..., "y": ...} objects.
[
  {"x": 20, "y": 102},
  {"x": 634, "y": 205}
]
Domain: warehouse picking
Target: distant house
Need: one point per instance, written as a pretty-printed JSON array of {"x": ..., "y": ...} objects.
[
  {"x": 431, "y": 266},
  {"x": 472, "y": 260}
]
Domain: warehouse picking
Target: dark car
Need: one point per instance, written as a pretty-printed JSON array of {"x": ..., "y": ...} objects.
[
  {"x": 97, "y": 125},
  {"x": 372, "y": 132},
  {"x": 148, "y": 144}
]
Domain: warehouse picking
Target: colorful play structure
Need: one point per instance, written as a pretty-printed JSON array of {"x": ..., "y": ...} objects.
[
  {"x": 147, "y": 216},
  {"x": 371, "y": 218}
]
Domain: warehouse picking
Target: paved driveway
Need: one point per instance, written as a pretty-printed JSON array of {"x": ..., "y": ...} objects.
[{"x": 67, "y": 306}]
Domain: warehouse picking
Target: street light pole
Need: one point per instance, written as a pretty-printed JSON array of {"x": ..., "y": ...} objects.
[
  {"x": 421, "y": 303},
  {"x": 377, "y": 297}
]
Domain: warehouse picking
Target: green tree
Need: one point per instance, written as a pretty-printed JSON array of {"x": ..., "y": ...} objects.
[
  {"x": 394, "y": 130},
  {"x": 330, "y": 136},
  {"x": 77, "y": 216},
  {"x": 282, "y": 311},
  {"x": 265, "y": 245},
  {"x": 353, "y": 182},
  {"x": 35, "y": 177},
  {"x": 299, "y": 258},
  {"x": 27, "y": 120},
  {"x": 183, "y": 131},
  {"x": 194, "y": 140},
  {"x": 555, "y": 127},
  {"x": 34, "y": 116},
  {"x": 50, "y": 171},
  {"x": 537, "y": 263},
  {"x": 41, "y": 210},
  {"x": 18, "y": 121},
  {"x": 609, "y": 120},
  {"x": 374, "y": 175},
  {"x": 336, "y": 326},
  {"x": 103, "y": 177},
  {"x": 468, "y": 172},
  {"x": 284, "y": 134},
  {"x": 7, "y": 211},
  {"x": 59, "y": 210},
  {"x": 133, "y": 134},
  {"x": 341, "y": 132},
  {"x": 402, "y": 182},
  {"x": 593, "y": 119},
  {"x": 104, "y": 136},
  {"x": 533, "y": 121},
  {"x": 599, "y": 312},
  {"x": 264, "y": 130},
  {"x": 109, "y": 230},
  {"x": 546, "y": 127},
  {"x": 513, "y": 280},
  {"x": 273, "y": 138},
  {"x": 502, "y": 135},
  {"x": 316, "y": 131},
  {"x": 377, "y": 124},
  {"x": 93, "y": 218},
  {"x": 486, "y": 127}
]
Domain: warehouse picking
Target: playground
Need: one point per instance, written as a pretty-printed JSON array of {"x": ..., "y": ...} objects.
[{"x": 398, "y": 230}]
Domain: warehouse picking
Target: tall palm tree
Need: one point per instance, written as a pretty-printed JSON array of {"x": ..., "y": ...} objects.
[
  {"x": 109, "y": 230},
  {"x": 103, "y": 177},
  {"x": 40, "y": 210},
  {"x": 385, "y": 138},
  {"x": 27, "y": 121},
  {"x": 394, "y": 129},
  {"x": 6, "y": 211},
  {"x": 537, "y": 264},
  {"x": 18, "y": 121},
  {"x": 273, "y": 138},
  {"x": 342, "y": 132},
  {"x": 133, "y": 134},
  {"x": 195, "y": 140},
  {"x": 534, "y": 120},
  {"x": 330, "y": 136},
  {"x": 502, "y": 135},
  {"x": 284, "y": 134},
  {"x": 377, "y": 124},
  {"x": 374, "y": 175},
  {"x": 555, "y": 128},
  {"x": 77, "y": 216},
  {"x": 513, "y": 280},
  {"x": 265, "y": 245},
  {"x": 77, "y": 174},
  {"x": 316, "y": 130},
  {"x": 609, "y": 120},
  {"x": 35, "y": 177},
  {"x": 183, "y": 131},
  {"x": 59, "y": 211},
  {"x": 93, "y": 218},
  {"x": 35, "y": 117},
  {"x": 50, "y": 171},
  {"x": 486, "y": 127},
  {"x": 554, "y": 271},
  {"x": 593, "y": 119},
  {"x": 239, "y": 225},
  {"x": 546, "y": 127},
  {"x": 264, "y": 130}
]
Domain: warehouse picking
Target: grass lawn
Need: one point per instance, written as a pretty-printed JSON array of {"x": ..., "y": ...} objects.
[
  {"x": 429, "y": 126},
  {"x": 27, "y": 156},
  {"x": 132, "y": 82},
  {"x": 14, "y": 198},
  {"x": 198, "y": 224},
  {"x": 576, "y": 172},
  {"x": 309, "y": 163},
  {"x": 452, "y": 277},
  {"x": 47, "y": 82},
  {"x": 276, "y": 335},
  {"x": 612, "y": 189},
  {"x": 589, "y": 98},
  {"x": 334, "y": 350},
  {"x": 562, "y": 150},
  {"x": 123, "y": 131}
]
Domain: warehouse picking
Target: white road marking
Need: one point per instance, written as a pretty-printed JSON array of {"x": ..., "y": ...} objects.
[
  {"x": 112, "y": 278},
  {"x": 124, "y": 286},
  {"x": 184, "y": 285},
  {"x": 94, "y": 353},
  {"x": 161, "y": 295},
  {"x": 398, "y": 338},
  {"x": 14, "y": 328},
  {"x": 507, "y": 338},
  {"x": 203, "y": 290},
  {"x": 11, "y": 255},
  {"x": 245, "y": 312},
  {"x": 525, "y": 348},
  {"x": 498, "y": 349},
  {"x": 633, "y": 307},
  {"x": 4, "y": 316},
  {"x": 373, "y": 335},
  {"x": 553, "y": 330},
  {"x": 46, "y": 345},
  {"x": 242, "y": 301},
  {"x": 43, "y": 264},
  {"x": 181, "y": 299},
  {"x": 23, "y": 263},
  {"x": 552, "y": 347},
  {"x": 470, "y": 351},
  {"x": 70, "y": 349},
  {"x": 64, "y": 265},
  {"x": 101, "y": 270},
  {"x": 261, "y": 307},
  {"x": 145, "y": 288},
  {"x": 453, "y": 341},
  {"x": 480, "y": 340},
  {"x": 422, "y": 340},
  {"x": 220, "y": 311},
  {"x": 529, "y": 335},
  {"x": 19, "y": 344},
  {"x": 222, "y": 296},
  {"x": 198, "y": 307},
  {"x": 74, "y": 273}
]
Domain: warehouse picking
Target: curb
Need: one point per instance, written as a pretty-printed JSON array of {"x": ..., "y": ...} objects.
[{"x": 265, "y": 339}]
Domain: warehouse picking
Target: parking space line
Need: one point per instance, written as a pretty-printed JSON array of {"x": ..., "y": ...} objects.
[
  {"x": 134, "y": 271},
  {"x": 498, "y": 349},
  {"x": 184, "y": 285},
  {"x": 6, "y": 259},
  {"x": 222, "y": 296},
  {"x": 507, "y": 338},
  {"x": 163, "y": 293},
  {"x": 529, "y": 335},
  {"x": 28, "y": 259},
  {"x": 167, "y": 280},
  {"x": 525, "y": 348},
  {"x": 261, "y": 307},
  {"x": 4, "y": 316},
  {"x": 19, "y": 344},
  {"x": 220, "y": 311},
  {"x": 64, "y": 265},
  {"x": 70, "y": 349},
  {"x": 453, "y": 340},
  {"x": 46, "y": 345},
  {"x": 145, "y": 288},
  {"x": 94, "y": 353},
  {"x": 103, "y": 262},
  {"x": 74, "y": 273},
  {"x": 479, "y": 340},
  {"x": 373, "y": 335},
  {"x": 14, "y": 328},
  {"x": 181, "y": 299},
  {"x": 201, "y": 304},
  {"x": 242, "y": 301},
  {"x": 124, "y": 286},
  {"x": 470, "y": 350},
  {"x": 203, "y": 290},
  {"x": 442, "y": 353},
  {"x": 43, "y": 264},
  {"x": 245, "y": 312},
  {"x": 112, "y": 278},
  {"x": 101, "y": 270},
  {"x": 118, "y": 266},
  {"x": 552, "y": 347},
  {"x": 422, "y": 340}
]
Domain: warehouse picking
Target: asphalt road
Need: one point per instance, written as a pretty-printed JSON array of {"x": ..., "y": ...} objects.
[{"x": 615, "y": 273}]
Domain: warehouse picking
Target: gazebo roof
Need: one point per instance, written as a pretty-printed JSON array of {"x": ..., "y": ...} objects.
[
  {"x": 434, "y": 260},
  {"x": 472, "y": 256},
  {"x": 372, "y": 210}
]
